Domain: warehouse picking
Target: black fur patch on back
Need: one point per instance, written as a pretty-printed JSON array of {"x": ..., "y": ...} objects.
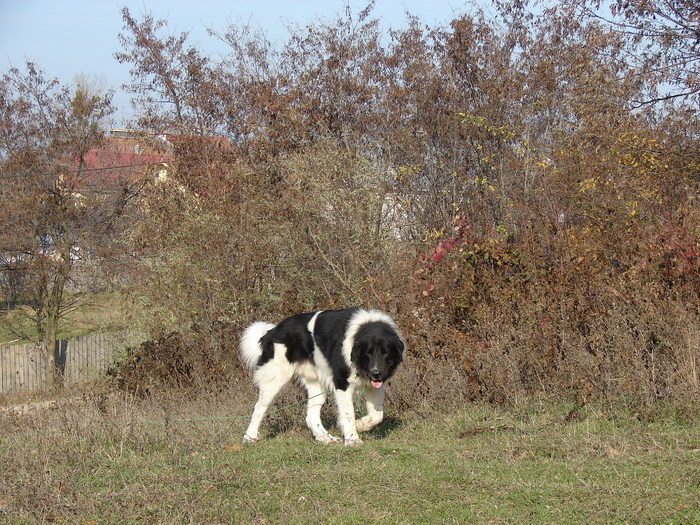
[{"x": 293, "y": 333}]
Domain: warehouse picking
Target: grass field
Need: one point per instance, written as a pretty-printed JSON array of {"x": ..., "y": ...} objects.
[{"x": 114, "y": 461}]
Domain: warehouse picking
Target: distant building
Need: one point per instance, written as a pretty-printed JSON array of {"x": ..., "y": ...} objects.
[
  {"x": 127, "y": 156},
  {"x": 122, "y": 158}
]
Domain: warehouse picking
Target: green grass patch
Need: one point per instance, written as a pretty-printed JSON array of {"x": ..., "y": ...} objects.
[
  {"x": 473, "y": 465},
  {"x": 95, "y": 313}
]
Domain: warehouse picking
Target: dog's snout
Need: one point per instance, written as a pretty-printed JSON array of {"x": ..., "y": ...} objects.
[{"x": 375, "y": 375}]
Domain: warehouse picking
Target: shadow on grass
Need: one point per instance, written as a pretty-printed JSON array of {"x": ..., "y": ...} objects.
[
  {"x": 280, "y": 424},
  {"x": 385, "y": 428}
]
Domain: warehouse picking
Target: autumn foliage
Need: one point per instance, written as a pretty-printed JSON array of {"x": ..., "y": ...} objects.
[{"x": 519, "y": 190}]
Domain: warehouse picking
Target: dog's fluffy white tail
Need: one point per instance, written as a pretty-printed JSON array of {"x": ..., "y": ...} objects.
[{"x": 250, "y": 343}]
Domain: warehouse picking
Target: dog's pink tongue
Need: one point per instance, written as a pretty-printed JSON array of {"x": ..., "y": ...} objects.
[{"x": 377, "y": 384}]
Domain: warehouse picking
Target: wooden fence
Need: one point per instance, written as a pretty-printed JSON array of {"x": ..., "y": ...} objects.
[{"x": 78, "y": 359}]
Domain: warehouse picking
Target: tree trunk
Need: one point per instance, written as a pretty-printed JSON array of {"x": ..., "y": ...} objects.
[{"x": 52, "y": 311}]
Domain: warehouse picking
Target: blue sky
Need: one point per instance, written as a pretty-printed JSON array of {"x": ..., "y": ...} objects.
[{"x": 67, "y": 38}]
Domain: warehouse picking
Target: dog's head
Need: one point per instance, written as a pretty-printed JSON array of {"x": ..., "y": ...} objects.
[{"x": 376, "y": 352}]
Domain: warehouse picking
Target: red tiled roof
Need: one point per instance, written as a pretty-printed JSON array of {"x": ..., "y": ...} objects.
[{"x": 117, "y": 160}]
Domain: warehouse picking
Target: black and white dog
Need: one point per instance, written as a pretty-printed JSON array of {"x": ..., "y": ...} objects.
[{"x": 332, "y": 350}]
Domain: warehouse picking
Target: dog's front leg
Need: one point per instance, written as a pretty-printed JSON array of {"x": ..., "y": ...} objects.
[
  {"x": 346, "y": 417},
  {"x": 375, "y": 409}
]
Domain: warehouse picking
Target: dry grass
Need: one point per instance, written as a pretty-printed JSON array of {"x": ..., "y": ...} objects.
[{"x": 177, "y": 459}]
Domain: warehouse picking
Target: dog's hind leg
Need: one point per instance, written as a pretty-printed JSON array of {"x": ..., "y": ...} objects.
[
  {"x": 317, "y": 398},
  {"x": 375, "y": 409},
  {"x": 268, "y": 390}
]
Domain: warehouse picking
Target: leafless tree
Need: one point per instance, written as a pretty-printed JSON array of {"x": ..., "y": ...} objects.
[{"x": 50, "y": 216}]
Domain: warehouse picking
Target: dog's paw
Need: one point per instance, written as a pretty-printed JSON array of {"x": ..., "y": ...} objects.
[
  {"x": 327, "y": 439},
  {"x": 354, "y": 442},
  {"x": 364, "y": 426},
  {"x": 248, "y": 439},
  {"x": 366, "y": 423}
]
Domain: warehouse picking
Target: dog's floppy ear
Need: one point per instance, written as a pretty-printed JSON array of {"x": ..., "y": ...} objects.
[
  {"x": 399, "y": 345},
  {"x": 357, "y": 348}
]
